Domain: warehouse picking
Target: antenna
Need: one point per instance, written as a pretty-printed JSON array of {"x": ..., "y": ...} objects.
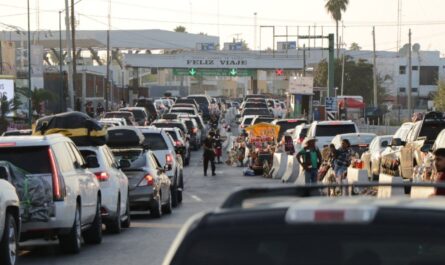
[{"x": 399, "y": 23}]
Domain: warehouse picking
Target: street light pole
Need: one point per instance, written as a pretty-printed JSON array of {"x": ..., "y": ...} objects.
[
  {"x": 61, "y": 92},
  {"x": 29, "y": 71}
]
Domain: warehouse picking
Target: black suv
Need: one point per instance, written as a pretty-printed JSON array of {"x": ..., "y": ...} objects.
[{"x": 289, "y": 225}]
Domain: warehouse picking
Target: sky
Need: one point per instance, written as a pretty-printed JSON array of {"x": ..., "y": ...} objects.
[{"x": 235, "y": 19}]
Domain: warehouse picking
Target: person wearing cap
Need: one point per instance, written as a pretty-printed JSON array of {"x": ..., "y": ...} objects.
[
  {"x": 343, "y": 160},
  {"x": 439, "y": 162},
  {"x": 310, "y": 159}
]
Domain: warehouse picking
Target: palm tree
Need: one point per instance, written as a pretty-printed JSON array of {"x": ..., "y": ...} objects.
[{"x": 335, "y": 8}]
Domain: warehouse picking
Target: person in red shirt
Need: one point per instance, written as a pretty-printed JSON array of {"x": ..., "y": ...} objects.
[{"x": 439, "y": 162}]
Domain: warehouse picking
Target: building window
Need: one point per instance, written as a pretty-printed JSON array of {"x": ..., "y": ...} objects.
[
  {"x": 429, "y": 75},
  {"x": 402, "y": 70},
  {"x": 415, "y": 68},
  {"x": 414, "y": 89},
  {"x": 402, "y": 90}
]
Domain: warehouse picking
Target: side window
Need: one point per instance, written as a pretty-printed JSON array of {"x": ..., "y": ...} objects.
[
  {"x": 64, "y": 157},
  {"x": 156, "y": 161},
  {"x": 109, "y": 157},
  {"x": 77, "y": 155}
]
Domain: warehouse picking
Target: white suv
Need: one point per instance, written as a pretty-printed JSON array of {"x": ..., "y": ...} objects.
[
  {"x": 113, "y": 184},
  {"x": 325, "y": 131},
  {"x": 64, "y": 198},
  {"x": 9, "y": 221},
  {"x": 158, "y": 141}
]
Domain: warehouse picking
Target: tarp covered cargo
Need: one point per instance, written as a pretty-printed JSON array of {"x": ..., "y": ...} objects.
[
  {"x": 34, "y": 192},
  {"x": 125, "y": 136},
  {"x": 264, "y": 130},
  {"x": 78, "y": 126}
]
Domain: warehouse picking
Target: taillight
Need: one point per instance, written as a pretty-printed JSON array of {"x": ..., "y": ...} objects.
[
  {"x": 146, "y": 181},
  {"x": 102, "y": 176},
  {"x": 57, "y": 193},
  {"x": 195, "y": 130},
  {"x": 300, "y": 140},
  {"x": 169, "y": 159},
  {"x": 178, "y": 143}
]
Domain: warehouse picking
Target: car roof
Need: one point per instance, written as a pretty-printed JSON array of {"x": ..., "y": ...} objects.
[
  {"x": 356, "y": 134},
  {"x": 149, "y": 129},
  {"x": 132, "y": 108},
  {"x": 23, "y": 141},
  {"x": 338, "y": 122}
]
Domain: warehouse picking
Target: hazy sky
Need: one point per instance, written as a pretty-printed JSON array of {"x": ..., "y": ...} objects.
[{"x": 424, "y": 17}]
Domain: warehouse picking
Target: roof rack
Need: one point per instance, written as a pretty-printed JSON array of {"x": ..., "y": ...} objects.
[{"x": 236, "y": 199}]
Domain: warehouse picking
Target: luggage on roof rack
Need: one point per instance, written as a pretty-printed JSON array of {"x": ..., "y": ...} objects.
[
  {"x": 78, "y": 126},
  {"x": 125, "y": 136}
]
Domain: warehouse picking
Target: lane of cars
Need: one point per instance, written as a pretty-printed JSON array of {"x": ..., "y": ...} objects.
[{"x": 80, "y": 174}]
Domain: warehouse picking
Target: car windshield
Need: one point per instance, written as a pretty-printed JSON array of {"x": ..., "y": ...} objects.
[
  {"x": 333, "y": 130},
  {"x": 155, "y": 141},
  {"x": 300, "y": 245},
  {"x": 36, "y": 162}
]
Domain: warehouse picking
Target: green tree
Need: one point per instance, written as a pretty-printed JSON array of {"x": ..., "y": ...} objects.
[
  {"x": 335, "y": 9},
  {"x": 439, "y": 97},
  {"x": 355, "y": 47},
  {"x": 358, "y": 79},
  {"x": 180, "y": 29}
]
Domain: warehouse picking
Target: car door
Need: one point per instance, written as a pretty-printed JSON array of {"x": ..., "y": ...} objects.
[
  {"x": 90, "y": 184},
  {"x": 119, "y": 175}
]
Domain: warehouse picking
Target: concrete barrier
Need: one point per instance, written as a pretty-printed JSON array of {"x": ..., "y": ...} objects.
[
  {"x": 292, "y": 170},
  {"x": 279, "y": 165},
  {"x": 388, "y": 192},
  {"x": 356, "y": 176}
]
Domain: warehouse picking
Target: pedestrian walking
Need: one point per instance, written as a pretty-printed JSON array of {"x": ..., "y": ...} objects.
[
  {"x": 310, "y": 159},
  {"x": 343, "y": 159},
  {"x": 209, "y": 154},
  {"x": 218, "y": 146}
]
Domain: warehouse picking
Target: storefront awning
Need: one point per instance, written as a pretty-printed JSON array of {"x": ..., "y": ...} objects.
[{"x": 351, "y": 103}]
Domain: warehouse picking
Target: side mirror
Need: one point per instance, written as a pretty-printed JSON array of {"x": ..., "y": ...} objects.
[
  {"x": 124, "y": 163},
  {"x": 167, "y": 167},
  {"x": 384, "y": 144},
  {"x": 426, "y": 148},
  {"x": 396, "y": 142}
]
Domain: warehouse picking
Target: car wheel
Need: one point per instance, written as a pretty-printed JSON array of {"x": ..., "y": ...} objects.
[
  {"x": 8, "y": 243},
  {"x": 72, "y": 242},
  {"x": 94, "y": 234},
  {"x": 156, "y": 208},
  {"x": 174, "y": 193},
  {"x": 168, "y": 208},
  {"x": 127, "y": 222},
  {"x": 115, "y": 226}
]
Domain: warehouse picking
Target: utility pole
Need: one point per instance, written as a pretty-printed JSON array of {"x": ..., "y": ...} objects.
[
  {"x": 304, "y": 59},
  {"x": 410, "y": 76},
  {"x": 29, "y": 71},
  {"x": 374, "y": 69},
  {"x": 108, "y": 56},
  {"x": 68, "y": 58},
  {"x": 62, "y": 81},
  {"x": 73, "y": 34},
  {"x": 342, "y": 73}
]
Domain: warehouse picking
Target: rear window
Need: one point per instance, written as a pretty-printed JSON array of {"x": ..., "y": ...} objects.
[
  {"x": 431, "y": 130},
  {"x": 189, "y": 111},
  {"x": 136, "y": 157},
  {"x": 117, "y": 115},
  {"x": 139, "y": 114},
  {"x": 300, "y": 245},
  {"x": 264, "y": 112},
  {"x": 255, "y": 105},
  {"x": 333, "y": 130},
  {"x": 173, "y": 135},
  {"x": 263, "y": 119},
  {"x": 88, "y": 153},
  {"x": 170, "y": 125},
  {"x": 247, "y": 121},
  {"x": 189, "y": 124},
  {"x": 155, "y": 141},
  {"x": 286, "y": 125},
  {"x": 32, "y": 160},
  {"x": 201, "y": 100}
]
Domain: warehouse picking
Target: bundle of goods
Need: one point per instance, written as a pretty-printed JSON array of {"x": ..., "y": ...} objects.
[
  {"x": 83, "y": 130},
  {"x": 390, "y": 166},
  {"x": 34, "y": 192}
]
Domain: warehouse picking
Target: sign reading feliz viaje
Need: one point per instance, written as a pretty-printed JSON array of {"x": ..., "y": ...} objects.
[{"x": 212, "y": 72}]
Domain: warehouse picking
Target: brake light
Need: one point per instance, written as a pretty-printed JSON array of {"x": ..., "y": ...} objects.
[
  {"x": 102, "y": 176},
  {"x": 7, "y": 144},
  {"x": 169, "y": 159},
  {"x": 147, "y": 180},
  {"x": 333, "y": 214},
  {"x": 57, "y": 193}
]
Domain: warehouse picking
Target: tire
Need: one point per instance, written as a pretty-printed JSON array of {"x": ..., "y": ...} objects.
[
  {"x": 179, "y": 192},
  {"x": 115, "y": 226},
  {"x": 168, "y": 208},
  {"x": 127, "y": 222},
  {"x": 8, "y": 243},
  {"x": 156, "y": 208},
  {"x": 72, "y": 242},
  {"x": 94, "y": 234},
  {"x": 174, "y": 195}
]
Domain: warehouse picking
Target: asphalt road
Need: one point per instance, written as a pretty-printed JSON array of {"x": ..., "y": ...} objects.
[{"x": 148, "y": 240}]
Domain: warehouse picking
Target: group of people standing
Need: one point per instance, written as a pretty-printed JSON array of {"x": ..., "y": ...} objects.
[{"x": 311, "y": 160}]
